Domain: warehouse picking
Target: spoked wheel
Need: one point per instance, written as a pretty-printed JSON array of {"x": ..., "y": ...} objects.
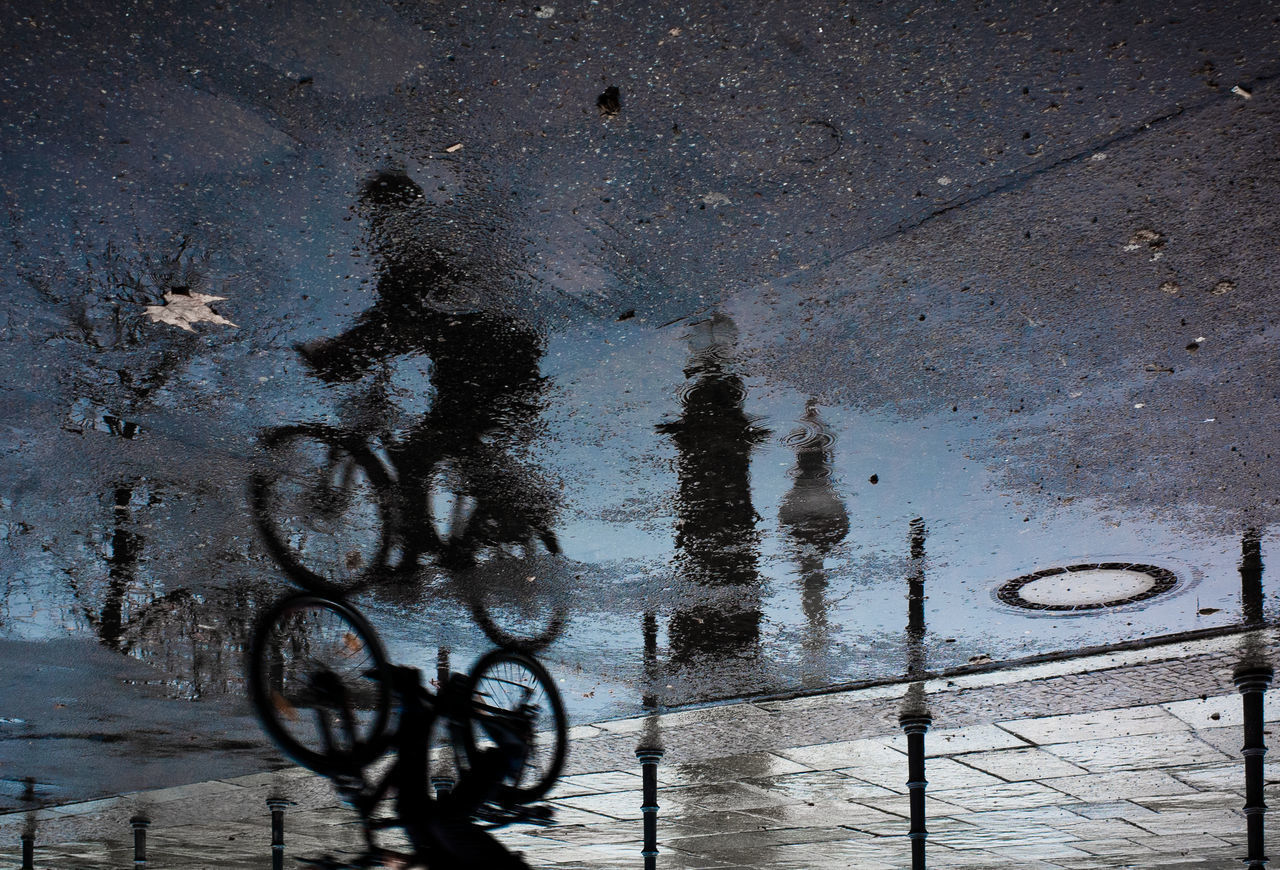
[
  {"x": 323, "y": 503},
  {"x": 519, "y": 603},
  {"x": 317, "y": 679},
  {"x": 512, "y": 694}
]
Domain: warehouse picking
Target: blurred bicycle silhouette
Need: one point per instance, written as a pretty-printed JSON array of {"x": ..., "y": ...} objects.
[
  {"x": 324, "y": 690},
  {"x": 339, "y": 507}
]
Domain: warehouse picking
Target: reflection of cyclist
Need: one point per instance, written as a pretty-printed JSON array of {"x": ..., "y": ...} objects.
[{"x": 484, "y": 365}]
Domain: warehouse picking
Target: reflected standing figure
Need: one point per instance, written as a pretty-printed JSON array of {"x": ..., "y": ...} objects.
[
  {"x": 716, "y": 538},
  {"x": 815, "y": 520}
]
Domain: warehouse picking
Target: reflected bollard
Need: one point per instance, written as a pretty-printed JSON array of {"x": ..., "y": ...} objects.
[
  {"x": 1253, "y": 683},
  {"x": 649, "y": 806},
  {"x": 139, "y": 824},
  {"x": 443, "y": 669},
  {"x": 277, "y": 805},
  {"x": 915, "y": 725}
]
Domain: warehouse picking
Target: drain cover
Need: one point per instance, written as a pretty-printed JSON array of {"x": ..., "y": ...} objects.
[{"x": 1087, "y": 587}]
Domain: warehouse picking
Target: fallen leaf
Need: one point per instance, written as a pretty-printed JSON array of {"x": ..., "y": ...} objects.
[
  {"x": 183, "y": 309},
  {"x": 453, "y": 149}
]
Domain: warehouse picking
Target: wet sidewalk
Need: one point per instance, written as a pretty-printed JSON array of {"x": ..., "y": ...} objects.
[{"x": 1122, "y": 759}]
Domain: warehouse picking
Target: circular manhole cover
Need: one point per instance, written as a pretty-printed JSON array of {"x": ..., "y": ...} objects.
[{"x": 1087, "y": 587}]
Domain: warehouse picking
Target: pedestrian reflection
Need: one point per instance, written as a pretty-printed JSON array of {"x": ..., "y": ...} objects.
[
  {"x": 814, "y": 520},
  {"x": 716, "y": 538}
]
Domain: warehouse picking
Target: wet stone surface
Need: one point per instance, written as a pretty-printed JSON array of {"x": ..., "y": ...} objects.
[{"x": 747, "y": 366}]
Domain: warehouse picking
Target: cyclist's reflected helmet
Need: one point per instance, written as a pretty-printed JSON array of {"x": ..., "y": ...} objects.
[{"x": 390, "y": 187}]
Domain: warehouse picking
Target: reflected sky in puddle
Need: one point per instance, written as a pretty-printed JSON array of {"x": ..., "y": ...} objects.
[{"x": 760, "y": 534}]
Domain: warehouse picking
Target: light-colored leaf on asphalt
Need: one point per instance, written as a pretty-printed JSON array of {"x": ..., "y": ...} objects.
[{"x": 185, "y": 309}]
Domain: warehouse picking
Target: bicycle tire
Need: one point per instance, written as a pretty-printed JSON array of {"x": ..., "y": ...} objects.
[
  {"x": 503, "y": 680},
  {"x": 324, "y": 507},
  {"x": 519, "y": 604},
  {"x": 304, "y": 648}
]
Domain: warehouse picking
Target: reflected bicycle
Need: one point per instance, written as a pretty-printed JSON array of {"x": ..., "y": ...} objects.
[
  {"x": 335, "y": 516},
  {"x": 322, "y": 686}
]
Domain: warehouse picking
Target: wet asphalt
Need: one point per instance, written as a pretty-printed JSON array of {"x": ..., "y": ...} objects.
[{"x": 818, "y": 301}]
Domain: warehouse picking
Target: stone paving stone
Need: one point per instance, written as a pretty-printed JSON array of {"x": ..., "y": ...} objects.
[
  {"x": 834, "y": 703},
  {"x": 853, "y": 755},
  {"x": 1202, "y": 820},
  {"x": 1229, "y": 709},
  {"x": 605, "y": 832},
  {"x": 1111, "y": 810},
  {"x": 714, "y": 822},
  {"x": 866, "y": 854},
  {"x": 692, "y": 800},
  {"x": 727, "y": 769},
  {"x": 1040, "y": 852},
  {"x": 1010, "y": 835},
  {"x": 821, "y": 786},
  {"x": 1191, "y": 802},
  {"x": 714, "y": 843},
  {"x": 900, "y": 805},
  {"x": 1149, "y": 719},
  {"x": 1007, "y": 795},
  {"x": 1089, "y": 830},
  {"x": 1226, "y": 777},
  {"x": 273, "y": 777},
  {"x": 599, "y": 854},
  {"x": 1049, "y": 816},
  {"x": 615, "y": 805},
  {"x": 853, "y": 815},
  {"x": 673, "y": 858},
  {"x": 1120, "y": 848},
  {"x": 1229, "y": 741},
  {"x": 583, "y": 732},
  {"x": 1118, "y": 784},
  {"x": 1186, "y": 841},
  {"x": 573, "y": 815},
  {"x": 941, "y": 773},
  {"x": 954, "y": 741},
  {"x": 591, "y": 783},
  {"x": 1019, "y": 765},
  {"x": 1138, "y": 752}
]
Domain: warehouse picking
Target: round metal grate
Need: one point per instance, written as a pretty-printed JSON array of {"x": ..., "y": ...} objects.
[{"x": 1092, "y": 586}]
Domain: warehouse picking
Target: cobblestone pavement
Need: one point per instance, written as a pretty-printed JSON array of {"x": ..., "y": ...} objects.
[{"x": 1129, "y": 759}]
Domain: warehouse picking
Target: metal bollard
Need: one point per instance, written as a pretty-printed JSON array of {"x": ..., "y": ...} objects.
[
  {"x": 649, "y": 806},
  {"x": 139, "y": 824},
  {"x": 1253, "y": 683},
  {"x": 915, "y": 726},
  {"x": 277, "y": 805}
]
